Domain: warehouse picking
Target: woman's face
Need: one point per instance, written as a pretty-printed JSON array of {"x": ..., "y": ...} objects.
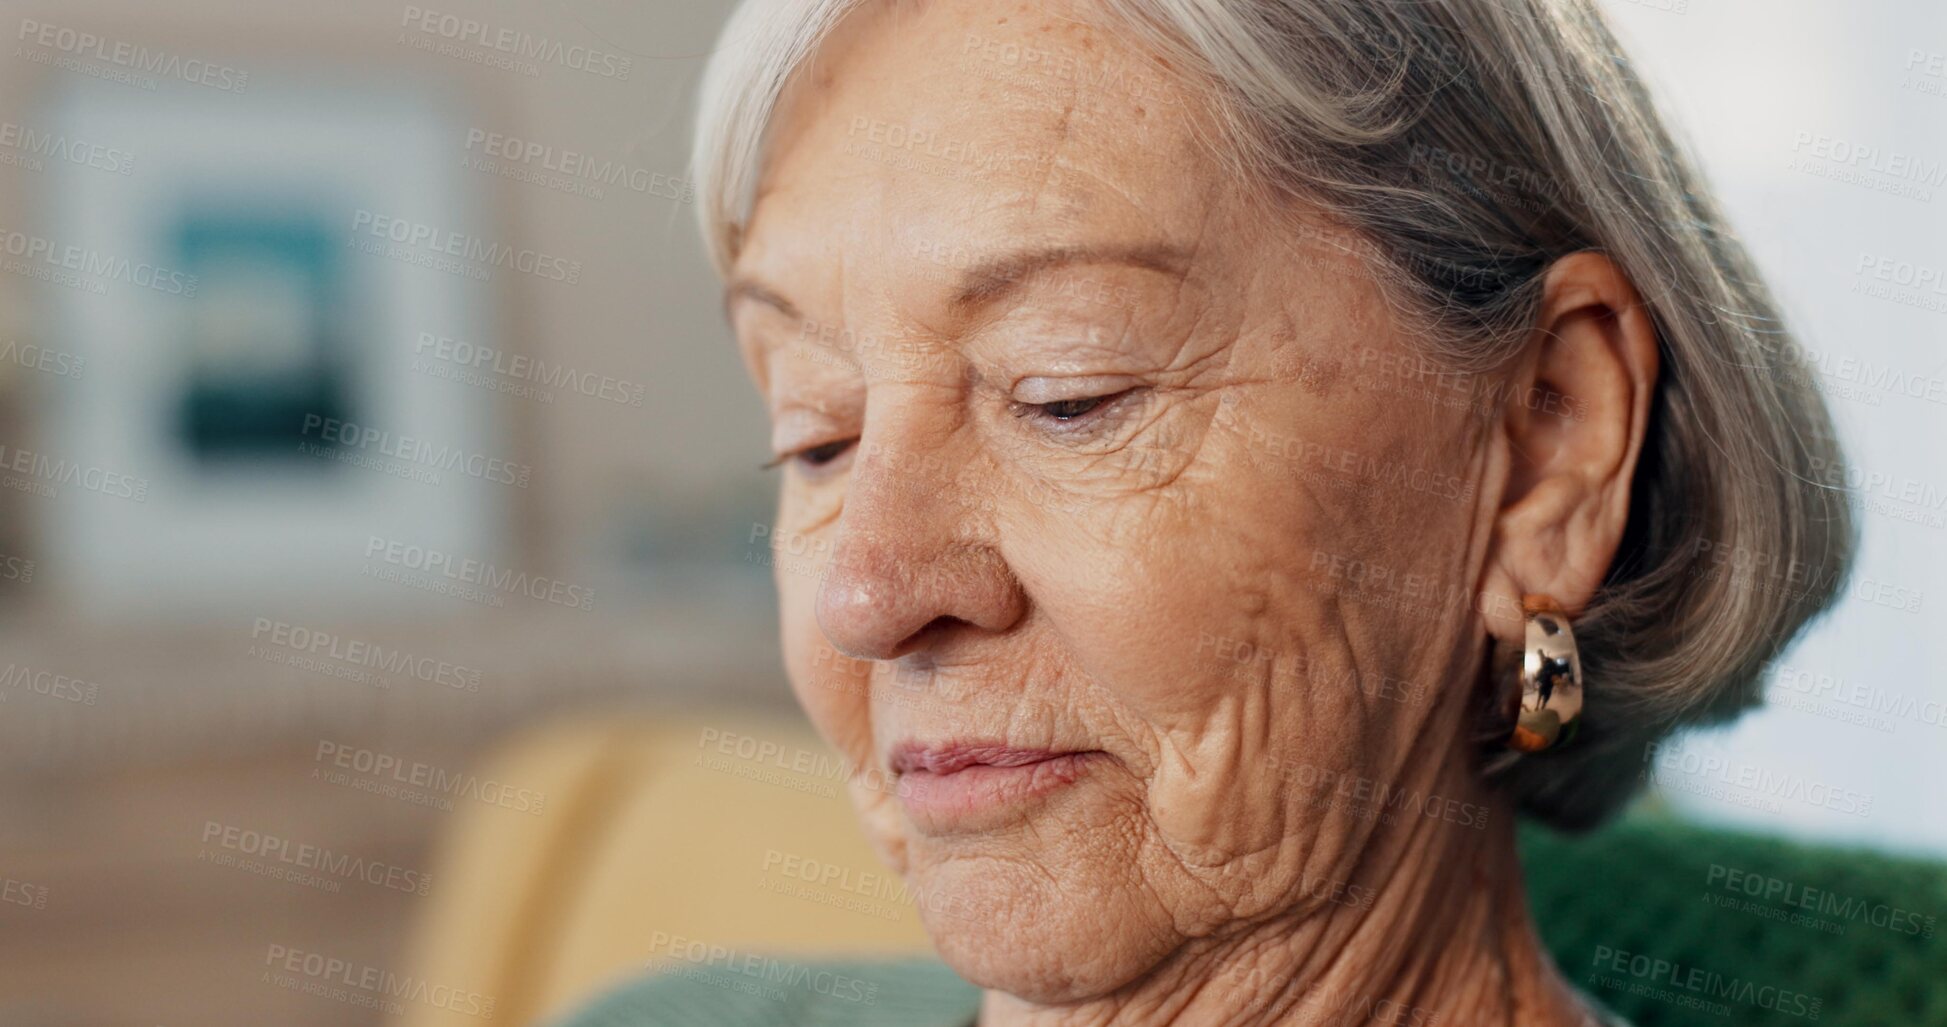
[{"x": 1126, "y": 546}]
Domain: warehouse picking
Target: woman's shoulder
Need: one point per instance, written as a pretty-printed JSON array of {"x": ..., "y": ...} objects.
[{"x": 755, "y": 991}]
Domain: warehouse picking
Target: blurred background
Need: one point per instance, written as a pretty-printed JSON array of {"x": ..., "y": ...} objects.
[{"x": 365, "y": 400}]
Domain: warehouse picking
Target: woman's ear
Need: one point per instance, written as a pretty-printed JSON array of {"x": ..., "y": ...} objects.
[{"x": 1576, "y": 412}]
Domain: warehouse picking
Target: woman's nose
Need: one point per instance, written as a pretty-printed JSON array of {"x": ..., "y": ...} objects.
[{"x": 902, "y": 575}]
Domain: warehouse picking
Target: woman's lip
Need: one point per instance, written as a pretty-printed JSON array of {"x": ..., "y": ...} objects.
[
  {"x": 945, "y": 786},
  {"x": 953, "y": 757}
]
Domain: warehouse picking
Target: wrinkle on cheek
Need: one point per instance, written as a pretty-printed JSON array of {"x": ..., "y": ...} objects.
[
  {"x": 1203, "y": 779},
  {"x": 1230, "y": 739},
  {"x": 879, "y": 814}
]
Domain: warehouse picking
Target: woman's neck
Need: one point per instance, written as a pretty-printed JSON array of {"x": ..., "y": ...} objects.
[{"x": 1445, "y": 939}]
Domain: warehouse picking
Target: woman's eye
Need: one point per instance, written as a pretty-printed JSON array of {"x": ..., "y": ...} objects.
[
  {"x": 1069, "y": 409},
  {"x": 819, "y": 456}
]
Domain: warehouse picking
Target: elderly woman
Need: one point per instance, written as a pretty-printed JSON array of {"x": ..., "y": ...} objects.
[{"x": 1234, "y": 430}]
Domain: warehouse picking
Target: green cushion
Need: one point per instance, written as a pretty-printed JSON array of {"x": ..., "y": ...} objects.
[{"x": 1667, "y": 922}]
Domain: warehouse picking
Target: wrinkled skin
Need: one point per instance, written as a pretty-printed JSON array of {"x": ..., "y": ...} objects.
[{"x": 1257, "y": 569}]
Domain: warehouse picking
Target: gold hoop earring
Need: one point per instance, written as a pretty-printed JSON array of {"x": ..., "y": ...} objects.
[{"x": 1548, "y": 702}]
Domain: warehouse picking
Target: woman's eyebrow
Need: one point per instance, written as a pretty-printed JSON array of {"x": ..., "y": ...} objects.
[
  {"x": 756, "y": 291},
  {"x": 988, "y": 280},
  {"x": 992, "y": 278}
]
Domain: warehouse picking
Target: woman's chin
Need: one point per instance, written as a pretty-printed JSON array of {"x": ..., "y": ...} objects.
[{"x": 1059, "y": 924}]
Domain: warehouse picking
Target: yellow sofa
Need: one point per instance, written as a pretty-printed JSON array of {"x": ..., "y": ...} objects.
[{"x": 654, "y": 839}]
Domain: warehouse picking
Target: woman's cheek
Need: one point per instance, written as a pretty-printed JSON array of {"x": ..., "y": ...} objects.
[
  {"x": 1201, "y": 640},
  {"x": 1139, "y": 608}
]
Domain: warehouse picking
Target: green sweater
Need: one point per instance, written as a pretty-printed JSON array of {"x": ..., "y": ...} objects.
[{"x": 782, "y": 993}]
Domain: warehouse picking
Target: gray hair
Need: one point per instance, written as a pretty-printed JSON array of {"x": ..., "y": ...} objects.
[{"x": 1467, "y": 145}]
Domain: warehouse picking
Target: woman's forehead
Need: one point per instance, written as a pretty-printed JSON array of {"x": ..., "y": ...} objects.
[{"x": 956, "y": 126}]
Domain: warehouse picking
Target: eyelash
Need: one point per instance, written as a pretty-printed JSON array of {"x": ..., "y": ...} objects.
[
  {"x": 823, "y": 453},
  {"x": 1094, "y": 408},
  {"x": 813, "y": 458}
]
